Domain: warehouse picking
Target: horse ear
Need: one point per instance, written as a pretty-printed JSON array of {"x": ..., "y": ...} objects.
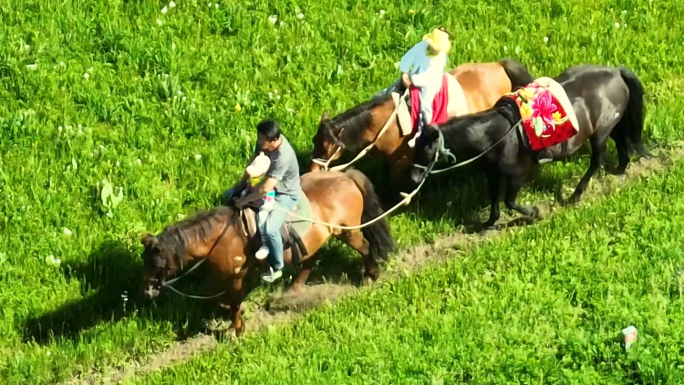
[
  {"x": 508, "y": 108},
  {"x": 326, "y": 116}
]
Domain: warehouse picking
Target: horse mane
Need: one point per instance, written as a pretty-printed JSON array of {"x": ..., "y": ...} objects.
[
  {"x": 505, "y": 109},
  {"x": 196, "y": 228},
  {"x": 350, "y": 125}
]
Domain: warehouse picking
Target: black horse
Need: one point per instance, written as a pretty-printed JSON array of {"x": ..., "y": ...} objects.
[{"x": 607, "y": 101}]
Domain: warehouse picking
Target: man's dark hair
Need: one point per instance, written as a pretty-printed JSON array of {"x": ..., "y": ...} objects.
[{"x": 269, "y": 128}]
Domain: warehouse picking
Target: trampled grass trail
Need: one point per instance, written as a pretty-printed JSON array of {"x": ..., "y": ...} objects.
[
  {"x": 545, "y": 304},
  {"x": 160, "y": 106}
]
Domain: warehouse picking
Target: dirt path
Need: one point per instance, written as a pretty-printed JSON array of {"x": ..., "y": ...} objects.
[{"x": 285, "y": 307}]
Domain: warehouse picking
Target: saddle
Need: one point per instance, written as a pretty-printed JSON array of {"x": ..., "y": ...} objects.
[
  {"x": 295, "y": 227},
  {"x": 449, "y": 102},
  {"x": 548, "y": 117}
]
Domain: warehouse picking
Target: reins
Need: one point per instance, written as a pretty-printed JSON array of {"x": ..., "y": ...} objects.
[
  {"x": 167, "y": 284},
  {"x": 326, "y": 163},
  {"x": 467, "y": 162},
  {"x": 407, "y": 197}
]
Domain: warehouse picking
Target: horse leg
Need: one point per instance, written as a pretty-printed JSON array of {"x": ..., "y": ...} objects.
[
  {"x": 307, "y": 266},
  {"x": 515, "y": 183},
  {"x": 622, "y": 147},
  {"x": 494, "y": 181},
  {"x": 235, "y": 296},
  {"x": 598, "y": 150},
  {"x": 356, "y": 240}
]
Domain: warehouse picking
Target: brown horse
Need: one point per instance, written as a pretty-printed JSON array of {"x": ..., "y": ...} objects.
[
  {"x": 482, "y": 83},
  {"x": 336, "y": 198}
]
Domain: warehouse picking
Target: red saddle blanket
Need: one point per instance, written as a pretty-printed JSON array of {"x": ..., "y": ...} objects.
[
  {"x": 440, "y": 104},
  {"x": 544, "y": 120}
]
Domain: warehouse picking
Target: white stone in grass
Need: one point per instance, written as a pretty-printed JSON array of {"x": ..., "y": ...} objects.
[
  {"x": 198, "y": 156},
  {"x": 52, "y": 261},
  {"x": 272, "y": 19},
  {"x": 164, "y": 10},
  {"x": 300, "y": 16},
  {"x": 617, "y": 25},
  {"x": 32, "y": 67},
  {"x": 546, "y": 39},
  {"x": 172, "y": 5},
  {"x": 160, "y": 22},
  {"x": 216, "y": 5},
  {"x": 67, "y": 232},
  {"x": 86, "y": 76}
]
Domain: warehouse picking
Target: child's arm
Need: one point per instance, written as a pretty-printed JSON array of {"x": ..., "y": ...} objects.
[
  {"x": 433, "y": 75},
  {"x": 259, "y": 192}
]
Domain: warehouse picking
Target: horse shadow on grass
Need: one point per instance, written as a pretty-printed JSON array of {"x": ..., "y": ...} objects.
[{"x": 111, "y": 291}]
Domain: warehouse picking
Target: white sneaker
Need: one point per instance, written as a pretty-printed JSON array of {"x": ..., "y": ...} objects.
[
  {"x": 272, "y": 276},
  {"x": 262, "y": 253}
]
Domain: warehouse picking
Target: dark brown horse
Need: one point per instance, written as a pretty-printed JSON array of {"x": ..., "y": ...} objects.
[
  {"x": 482, "y": 83},
  {"x": 607, "y": 101},
  {"x": 339, "y": 199}
]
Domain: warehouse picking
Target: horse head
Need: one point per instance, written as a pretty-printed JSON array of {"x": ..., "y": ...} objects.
[
  {"x": 327, "y": 147},
  {"x": 426, "y": 153},
  {"x": 159, "y": 263}
]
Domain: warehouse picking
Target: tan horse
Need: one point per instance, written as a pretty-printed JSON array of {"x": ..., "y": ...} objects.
[
  {"x": 482, "y": 83},
  {"x": 340, "y": 199}
]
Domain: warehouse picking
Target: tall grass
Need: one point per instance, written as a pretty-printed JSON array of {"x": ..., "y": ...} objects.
[{"x": 118, "y": 93}]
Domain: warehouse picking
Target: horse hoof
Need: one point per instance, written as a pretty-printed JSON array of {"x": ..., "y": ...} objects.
[
  {"x": 536, "y": 213},
  {"x": 488, "y": 232}
]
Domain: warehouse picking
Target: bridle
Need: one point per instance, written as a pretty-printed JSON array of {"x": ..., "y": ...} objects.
[
  {"x": 339, "y": 146},
  {"x": 325, "y": 163},
  {"x": 441, "y": 149},
  {"x": 167, "y": 284}
]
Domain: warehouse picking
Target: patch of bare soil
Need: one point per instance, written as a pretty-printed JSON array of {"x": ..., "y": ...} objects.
[{"x": 283, "y": 307}]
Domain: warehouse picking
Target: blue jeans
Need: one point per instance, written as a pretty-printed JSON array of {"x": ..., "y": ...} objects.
[{"x": 270, "y": 222}]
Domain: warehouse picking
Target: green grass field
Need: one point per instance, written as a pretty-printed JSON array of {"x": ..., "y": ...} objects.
[
  {"x": 119, "y": 94},
  {"x": 543, "y": 305}
]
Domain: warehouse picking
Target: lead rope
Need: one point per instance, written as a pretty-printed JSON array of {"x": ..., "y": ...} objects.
[
  {"x": 408, "y": 197},
  {"x": 325, "y": 164}
]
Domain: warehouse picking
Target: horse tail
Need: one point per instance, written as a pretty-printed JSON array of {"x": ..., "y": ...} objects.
[
  {"x": 517, "y": 73},
  {"x": 378, "y": 234},
  {"x": 633, "y": 119}
]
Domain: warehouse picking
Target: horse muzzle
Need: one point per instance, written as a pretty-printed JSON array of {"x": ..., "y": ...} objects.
[
  {"x": 417, "y": 175},
  {"x": 151, "y": 291}
]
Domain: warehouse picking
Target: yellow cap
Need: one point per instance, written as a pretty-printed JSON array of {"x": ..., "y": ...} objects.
[{"x": 438, "y": 39}]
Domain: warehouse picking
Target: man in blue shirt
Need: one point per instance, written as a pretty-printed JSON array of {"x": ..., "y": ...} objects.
[{"x": 283, "y": 176}]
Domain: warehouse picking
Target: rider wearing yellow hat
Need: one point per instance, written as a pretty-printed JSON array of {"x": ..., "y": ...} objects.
[{"x": 423, "y": 67}]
